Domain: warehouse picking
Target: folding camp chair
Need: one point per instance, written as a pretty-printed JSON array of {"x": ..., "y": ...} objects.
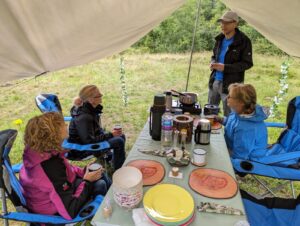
[
  {"x": 282, "y": 158},
  {"x": 50, "y": 103},
  {"x": 271, "y": 211},
  {"x": 11, "y": 188}
]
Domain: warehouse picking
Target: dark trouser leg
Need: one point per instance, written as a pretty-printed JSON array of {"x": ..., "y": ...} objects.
[
  {"x": 214, "y": 93},
  {"x": 118, "y": 145},
  {"x": 226, "y": 109},
  {"x": 100, "y": 187}
]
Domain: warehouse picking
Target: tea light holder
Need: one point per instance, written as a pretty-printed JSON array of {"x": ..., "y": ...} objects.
[{"x": 175, "y": 171}]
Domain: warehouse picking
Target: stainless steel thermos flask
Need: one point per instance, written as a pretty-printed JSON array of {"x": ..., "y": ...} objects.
[{"x": 202, "y": 132}]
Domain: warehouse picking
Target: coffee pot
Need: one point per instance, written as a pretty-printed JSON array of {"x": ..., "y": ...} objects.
[
  {"x": 202, "y": 132},
  {"x": 156, "y": 111}
]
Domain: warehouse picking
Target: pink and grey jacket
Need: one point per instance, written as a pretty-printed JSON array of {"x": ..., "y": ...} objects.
[{"x": 48, "y": 183}]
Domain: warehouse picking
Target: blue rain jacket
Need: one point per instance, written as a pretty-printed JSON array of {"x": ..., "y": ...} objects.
[{"x": 246, "y": 136}]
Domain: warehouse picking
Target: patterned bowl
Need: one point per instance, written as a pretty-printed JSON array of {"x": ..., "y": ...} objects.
[{"x": 128, "y": 187}]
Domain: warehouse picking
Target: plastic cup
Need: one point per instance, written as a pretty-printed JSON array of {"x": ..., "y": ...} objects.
[
  {"x": 118, "y": 127},
  {"x": 211, "y": 119}
]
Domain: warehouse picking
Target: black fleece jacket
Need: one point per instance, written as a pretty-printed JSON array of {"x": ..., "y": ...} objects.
[
  {"x": 238, "y": 58},
  {"x": 84, "y": 127}
]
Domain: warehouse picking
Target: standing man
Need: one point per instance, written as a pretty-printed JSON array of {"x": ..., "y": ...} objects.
[{"x": 232, "y": 55}]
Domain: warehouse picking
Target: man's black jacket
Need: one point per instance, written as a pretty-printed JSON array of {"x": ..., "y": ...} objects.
[
  {"x": 238, "y": 58},
  {"x": 84, "y": 127}
]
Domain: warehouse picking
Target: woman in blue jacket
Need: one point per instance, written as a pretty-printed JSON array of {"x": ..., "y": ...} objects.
[{"x": 245, "y": 131}]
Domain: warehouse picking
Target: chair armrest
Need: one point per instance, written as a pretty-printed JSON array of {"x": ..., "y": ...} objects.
[
  {"x": 67, "y": 118},
  {"x": 104, "y": 145},
  {"x": 275, "y": 124},
  {"x": 54, "y": 219},
  {"x": 266, "y": 170},
  {"x": 17, "y": 167},
  {"x": 279, "y": 158}
]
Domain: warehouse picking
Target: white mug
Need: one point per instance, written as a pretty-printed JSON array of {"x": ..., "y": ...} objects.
[{"x": 199, "y": 156}]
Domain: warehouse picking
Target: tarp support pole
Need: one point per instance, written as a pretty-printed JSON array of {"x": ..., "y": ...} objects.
[{"x": 193, "y": 45}]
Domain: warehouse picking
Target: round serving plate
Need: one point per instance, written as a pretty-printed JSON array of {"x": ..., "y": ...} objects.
[
  {"x": 153, "y": 172},
  {"x": 213, "y": 183},
  {"x": 168, "y": 204}
]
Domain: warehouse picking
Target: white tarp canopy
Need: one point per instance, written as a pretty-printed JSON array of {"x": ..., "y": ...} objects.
[
  {"x": 47, "y": 35},
  {"x": 276, "y": 20}
]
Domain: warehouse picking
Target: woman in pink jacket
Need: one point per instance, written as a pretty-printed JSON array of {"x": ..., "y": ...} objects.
[{"x": 51, "y": 184}]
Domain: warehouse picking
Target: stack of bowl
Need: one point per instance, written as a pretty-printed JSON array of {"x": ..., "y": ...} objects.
[{"x": 169, "y": 204}]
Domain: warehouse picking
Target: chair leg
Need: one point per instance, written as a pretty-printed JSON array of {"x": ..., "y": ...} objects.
[
  {"x": 269, "y": 191},
  {"x": 278, "y": 188},
  {"x": 4, "y": 206},
  {"x": 264, "y": 185},
  {"x": 6, "y": 222},
  {"x": 292, "y": 188},
  {"x": 105, "y": 164}
]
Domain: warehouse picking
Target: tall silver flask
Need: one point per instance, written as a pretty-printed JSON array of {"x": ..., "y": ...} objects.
[{"x": 202, "y": 132}]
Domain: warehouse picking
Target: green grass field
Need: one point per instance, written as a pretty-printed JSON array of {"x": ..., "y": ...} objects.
[{"x": 146, "y": 75}]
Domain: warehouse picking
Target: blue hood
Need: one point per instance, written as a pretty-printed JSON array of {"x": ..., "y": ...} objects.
[
  {"x": 246, "y": 135},
  {"x": 260, "y": 114}
]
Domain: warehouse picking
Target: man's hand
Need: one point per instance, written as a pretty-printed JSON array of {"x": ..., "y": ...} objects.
[{"x": 217, "y": 66}]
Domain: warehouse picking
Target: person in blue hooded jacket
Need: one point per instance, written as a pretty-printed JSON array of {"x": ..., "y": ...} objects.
[{"x": 245, "y": 131}]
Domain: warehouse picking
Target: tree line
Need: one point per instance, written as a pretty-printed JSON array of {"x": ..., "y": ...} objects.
[{"x": 174, "y": 35}]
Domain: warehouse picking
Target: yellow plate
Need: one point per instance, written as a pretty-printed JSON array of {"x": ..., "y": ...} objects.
[{"x": 168, "y": 203}]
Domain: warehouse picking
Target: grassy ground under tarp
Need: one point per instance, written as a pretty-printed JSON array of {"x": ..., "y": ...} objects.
[{"x": 146, "y": 75}]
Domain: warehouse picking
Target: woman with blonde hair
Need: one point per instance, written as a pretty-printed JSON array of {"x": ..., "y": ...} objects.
[
  {"x": 86, "y": 129},
  {"x": 51, "y": 184},
  {"x": 245, "y": 131}
]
